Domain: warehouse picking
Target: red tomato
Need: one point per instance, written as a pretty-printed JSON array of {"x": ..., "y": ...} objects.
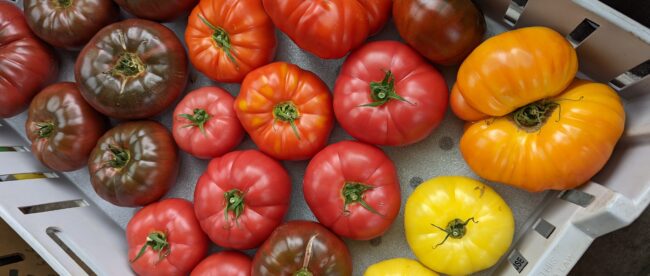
[
  {"x": 225, "y": 263},
  {"x": 328, "y": 28},
  {"x": 353, "y": 189},
  {"x": 205, "y": 124},
  {"x": 165, "y": 239},
  {"x": 241, "y": 198},
  {"x": 286, "y": 110},
  {"x": 386, "y": 94},
  {"x": 26, "y": 65}
]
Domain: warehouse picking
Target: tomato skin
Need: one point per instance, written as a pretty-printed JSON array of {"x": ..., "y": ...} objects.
[
  {"x": 352, "y": 162},
  {"x": 284, "y": 252},
  {"x": 396, "y": 122},
  {"x": 146, "y": 173},
  {"x": 445, "y": 32},
  {"x": 223, "y": 132},
  {"x": 267, "y": 88},
  {"x": 573, "y": 144},
  {"x": 132, "y": 91},
  {"x": 398, "y": 267},
  {"x": 226, "y": 263},
  {"x": 328, "y": 29},
  {"x": 250, "y": 32},
  {"x": 26, "y": 64},
  {"x": 487, "y": 233},
  {"x": 187, "y": 243},
  {"x": 70, "y": 26},
  {"x": 75, "y": 127},
  {"x": 265, "y": 189},
  {"x": 462, "y": 109},
  {"x": 157, "y": 10}
]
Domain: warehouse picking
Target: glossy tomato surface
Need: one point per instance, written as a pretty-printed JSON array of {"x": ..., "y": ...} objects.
[
  {"x": 386, "y": 94},
  {"x": 205, "y": 124},
  {"x": 26, "y": 64},
  {"x": 241, "y": 198},
  {"x": 132, "y": 69},
  {"x": 302, "y": 248},
  {"x": 286, "y": 110},
  {"x": 165, "y": 239},
  {"x": 227, "y": 39},
  {"x": 444, "y": 31},
  {"x": 62, "y": 127},
  {"x": 224, "y": 263},
  {"x": 134, "y": 164},
  {"x": 69, "y": 23},
  {"x": 157, "y": 10},
  {"x": 328, "y": 28},
  {"x": 353, "y": 189}
]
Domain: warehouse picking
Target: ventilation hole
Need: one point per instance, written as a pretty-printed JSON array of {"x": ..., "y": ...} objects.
[
  {"x": 544, "y": 228},
  {"x": 578, "y": 197},
  {"x": 26, "y": 176},
  {"x": 580, "y": 33},
  {"x": 514, "y": 11},
  {"x": 53, "y": 232},
  {"x": 14, "y": 149},
  {"x": 11, "y": 259},
  {"x": 631, "y": 77},
  {"x": 517, "y": 260},
  {"x": 13, "y": 272},
  {"x": 376, "y": 241},
  {"x": 53, "y": 206},
  {"x": 415, "y": 181}
]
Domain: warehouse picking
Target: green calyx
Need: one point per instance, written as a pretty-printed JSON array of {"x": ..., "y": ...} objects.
[
  {"x": 128, "y": 65},
  {"x": 384, "y": 91},
  {"x": 198, "y": 119},
  {"x": 234, "y": 203},
  {"x": 63, "y": 3},
  {"x": 309, "y": 249},
  {"x": 158, "y": 242},
  {"x": 303, "y": 272},
  {"x": 45, "y": 129},
  {"x": 456, "y": 229},
  {"x": 352, "y": 192},
  {"x": 287, "y": 112},
  {"x": 221, "y": 38},
  {"x": 121, "y": 157},
  {"x": 533, "y": 116}
]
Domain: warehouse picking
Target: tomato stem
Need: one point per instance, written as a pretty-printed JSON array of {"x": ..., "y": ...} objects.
[
  {"x": 287, "y": 112},
  {"x": 234, "y": 203},
  {"x": 531, "y": 117},
  {"x": 304, "y": 270},
  {"x": 64, "y": 3},
  {"x": 384, "y": 91},
  {"x": 455, "y": 229},
  {"x": 128, "y": 65},
  {"x": 221, "y": 38},
  {"x": 158, "y": 242},
  {"x": 353, "y": 193},
  {"x": 45, "y": 129},
  {"x": 198, "y": 119},
  {"x": 121, "y": 157}
]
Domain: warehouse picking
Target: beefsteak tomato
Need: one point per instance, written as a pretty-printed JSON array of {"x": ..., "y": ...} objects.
[
  {"x": 286, "y": 110},
  {"x": 386, "y": 94},
  {"x": 26, "y": 64},
  {"x": 225, "y": 263},
  {"x": 241, "y": 198},
  {"x": 457, "y": 226},
  {"x": 62, "y": 127},
  {"x": 164, "y": 238},
  {"x": 353, "y": 189},
  {"x": 157, "y": 10},
  {"x": 205, "y": 124},
  {"x": 132, "y": 69},
  {"x": 134, "y": 164},
  {"x": 302, "y": 248},
  {"x": 398, "y": 267},
  {"x": 69, "y": 23},
  {"x": 227, "y": 39},
  {"x": 328, "y": 28}
]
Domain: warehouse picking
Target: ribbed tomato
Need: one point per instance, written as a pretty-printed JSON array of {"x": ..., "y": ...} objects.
[
  {"x": 157, "y": 10},
  {"x": 224, "y": 263}
]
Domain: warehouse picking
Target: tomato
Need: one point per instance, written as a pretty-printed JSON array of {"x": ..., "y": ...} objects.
[
  {"x": 286, "y": 110},
  {"x": 558, "y": 143},
  {"x": 226, "y": 263},
  {"x": 329, "y": 29},
  {"x": 62, "y": 127},
  {"x": 445, "y": 32},
  {"x": 386, "y": 94},
  {"x": 398, "y": 267},
  {"x": 132, "y": 69},
  {"x": 457, "y": 226},
  {"x": 205, "y": 124},
  {"x": 165, "y": 239},
  {"x": 134, "y": 164},
  {"x": 353, "y": 189},
  {"x": 227, "y": 39},
  {"x": 69, "y": 23},
  {"x": 26, "y": 65},
  {"x": 157, "y": 10},
  {"x": 302, "y": 248},
  {"x": 241, "y": 197}
]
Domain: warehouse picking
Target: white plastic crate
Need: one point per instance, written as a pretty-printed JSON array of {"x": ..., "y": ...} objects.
[{"x": 85, "y": 235}]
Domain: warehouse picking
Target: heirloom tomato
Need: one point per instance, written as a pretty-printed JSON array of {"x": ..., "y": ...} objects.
[
  {"x": 227, "y": 39},
  {"x": 157, "y": 10},
  {"x": 241, "y": 198},
  {"x": 398, "y": 267},
  {"x": 457, "y": 226},
  {"x": 386, "y": 94},
  {"x": 286, "y": 110},
  {"x": 353, "y": 189},
  {"x": 328, "y": 28},
  {"x": 62, "y": 127},
  {"x": 225, "y": 263},
  {"x": 164, "y": 238}
]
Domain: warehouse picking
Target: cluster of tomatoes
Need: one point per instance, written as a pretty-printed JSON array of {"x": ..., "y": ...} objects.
[{"x": 530, "y": 124}]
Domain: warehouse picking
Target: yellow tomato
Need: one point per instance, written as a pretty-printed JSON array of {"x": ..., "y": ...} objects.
[
  {"x": 456, "y": 225},
  {"x": 398, "y": 267}
]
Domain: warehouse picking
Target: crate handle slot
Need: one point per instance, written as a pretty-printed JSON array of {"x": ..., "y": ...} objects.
[
  {"x": 581, "y": 32},
  {"x": 14, "y": 149},
  {"x": 53, "y": 206},
  {"x": 632, "y": 76},
  {"x": 517, "y": 261},
  {"x": 26, "y": 176},
  {"x": 578, "y": 197},
  {"x": 54, "y": 234},
  {"x": 544, "y": 228},
  {"x": 514, "y": 11},
  {"x": 11, "y": 259}
]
